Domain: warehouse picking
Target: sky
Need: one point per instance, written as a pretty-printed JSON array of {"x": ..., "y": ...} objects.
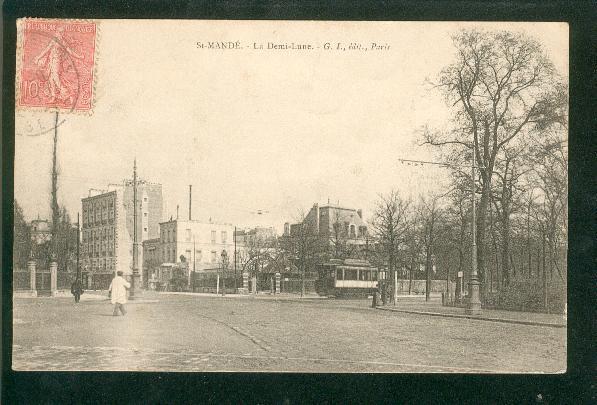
[{"x": 271, "y": 130}]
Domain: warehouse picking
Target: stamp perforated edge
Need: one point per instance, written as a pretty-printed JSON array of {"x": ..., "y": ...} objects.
[{"x": 19, "y": 64}]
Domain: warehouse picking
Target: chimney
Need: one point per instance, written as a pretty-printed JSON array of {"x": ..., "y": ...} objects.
[
  {"x": 190, "y": 200},
  {"x": 360, "y": 213},
  {"x": 176, "y": 211}
]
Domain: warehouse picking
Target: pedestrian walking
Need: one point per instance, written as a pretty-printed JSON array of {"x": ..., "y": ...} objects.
[
  {"x": 117, "y": 290},
  {"x": 76, "y": 289}
]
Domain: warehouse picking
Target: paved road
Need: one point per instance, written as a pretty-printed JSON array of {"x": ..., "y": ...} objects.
[{"x": 189, "y": 333}]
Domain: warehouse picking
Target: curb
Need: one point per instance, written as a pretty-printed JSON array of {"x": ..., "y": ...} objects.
[{"x": 477, "y": 318}]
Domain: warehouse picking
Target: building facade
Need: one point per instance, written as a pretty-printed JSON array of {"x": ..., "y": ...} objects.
[
  {"x": 190, "y": 245},
  {"x": 107, "y": 232},
  {"x": 40, "y": 231},
  {"x": 332, "y": 222}
]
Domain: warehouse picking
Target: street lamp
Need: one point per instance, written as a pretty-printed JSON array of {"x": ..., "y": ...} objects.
[{"x": 474, "y": 304}]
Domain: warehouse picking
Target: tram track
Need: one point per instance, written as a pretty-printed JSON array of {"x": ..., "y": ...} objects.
[{"x": 258, "y": 342}]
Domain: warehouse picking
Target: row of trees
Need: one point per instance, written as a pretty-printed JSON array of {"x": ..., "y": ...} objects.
[{"x": 509, "y": 109}]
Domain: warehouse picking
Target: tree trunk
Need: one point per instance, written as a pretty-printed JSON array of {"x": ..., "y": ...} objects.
[
  {"x": 428, "y": 272},
  {"x": 481, "y": 242},
  {"x": 505, "y": 249}
]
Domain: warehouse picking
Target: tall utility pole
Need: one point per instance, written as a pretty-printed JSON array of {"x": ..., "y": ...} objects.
[
  {"x": 234, "y": 239},
  {"x": 54, "y": 198},
  {"x": 190, "y": 201},
  {"x": 78, "y": 276},
  {"x": 194, "y": 264},
  {"x": 135, "y": 278}
]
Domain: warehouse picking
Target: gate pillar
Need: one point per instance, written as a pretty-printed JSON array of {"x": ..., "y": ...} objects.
[
  {"x": 278, "y": 277},
  {"x": 246, "y": 282},
  {"x": 254, "y": 284},
  {"x": 31, "y": 267},
  {"x": 53, "y": 277}
]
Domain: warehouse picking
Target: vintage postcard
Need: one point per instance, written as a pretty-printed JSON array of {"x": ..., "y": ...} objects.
[{"x": 290, "y": 196}]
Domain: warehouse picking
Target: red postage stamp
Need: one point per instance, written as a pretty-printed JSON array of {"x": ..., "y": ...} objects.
[{"x": 56, "y": 61}]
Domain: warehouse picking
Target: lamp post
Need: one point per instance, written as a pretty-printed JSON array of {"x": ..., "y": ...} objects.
[
  {"x": 135, "y": 287},
  {"x": 474, "y": 303}
]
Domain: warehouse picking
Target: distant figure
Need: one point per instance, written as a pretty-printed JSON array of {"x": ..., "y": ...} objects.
[
  {"x": 76, "y": 289},
  {"x": 117, "y": 290},
  {"x": 375, "y": 302}
]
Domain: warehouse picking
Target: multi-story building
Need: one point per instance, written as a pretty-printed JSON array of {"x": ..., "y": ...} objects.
[
  {"x": 195, "y": 242},
  {"x": 331, "y": 222},
  {"x": 191, "y": 245},
  {"x": 107, "y": 230}
]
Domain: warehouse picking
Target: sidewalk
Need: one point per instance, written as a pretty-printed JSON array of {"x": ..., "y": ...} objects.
[
  {"x": 265, "y": 296},
  {"x": 435, "y": 308}
]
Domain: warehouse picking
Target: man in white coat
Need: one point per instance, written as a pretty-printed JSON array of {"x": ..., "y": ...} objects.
[{"x": 117, "y": 289}]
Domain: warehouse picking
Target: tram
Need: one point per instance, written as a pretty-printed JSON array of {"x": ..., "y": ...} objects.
[{"x": 349, "y": 278}]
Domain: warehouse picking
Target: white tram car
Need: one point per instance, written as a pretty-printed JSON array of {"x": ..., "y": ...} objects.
[{"x": 348, "y": 278}]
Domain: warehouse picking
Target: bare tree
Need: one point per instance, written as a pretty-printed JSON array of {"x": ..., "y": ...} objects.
[
  {"x": 502, "y": 88},
  {"x": 429, "y": 215},
  {"x": 550, "y": 174},
  {"x": 506, "y": 202},
  {"x": 303, "y": 247},
  {"x": 391, "y": 223},
  {"x": 340, "y": 247}
]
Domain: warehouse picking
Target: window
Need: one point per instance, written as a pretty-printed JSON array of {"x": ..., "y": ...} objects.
[
  {"x": 213, "y": 237},
  {"x": 145, "y": 214},
  {"x": 144, "y": 199},
  {"x": 224, "y": 236},
  {"x": 213, "y": 256},
  {"x": 350, "y": 274},
  {"x": 187, "y": 255},
  {"x": 198, "y": 256},
  {"x": 339, "y": 274},
  {"x": 187, "y": 235},
  {"x": 352, "y": 231},
  {"x": 144, "y": 229}
]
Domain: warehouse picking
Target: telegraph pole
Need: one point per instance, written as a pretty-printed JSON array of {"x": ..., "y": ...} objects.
[
  {"x": 234, "y": 239},
  {"x": 78, "y": 276},
  {"x": 194, "y": 264},
  {"x": 135, "y": 277}
]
